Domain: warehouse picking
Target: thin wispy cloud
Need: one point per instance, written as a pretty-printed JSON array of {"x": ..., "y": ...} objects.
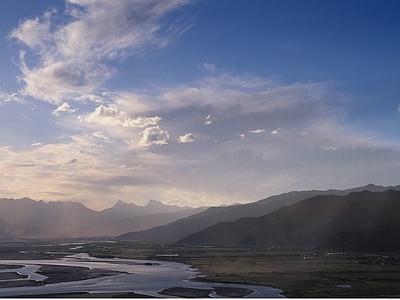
[
  {"x": 7, "y": 97},
  {"x": 257, "y": 131},
  {"x": 75, "y": 56},
  {"x": 208, "y": 67},
  {"x": 208, "y": 120}
]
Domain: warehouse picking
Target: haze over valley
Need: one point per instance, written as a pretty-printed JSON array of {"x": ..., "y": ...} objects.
[
  {"x": 27, "y": 218},
  {"x": 361, "y": 219}
]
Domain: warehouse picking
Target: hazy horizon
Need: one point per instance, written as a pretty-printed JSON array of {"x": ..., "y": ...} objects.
[
  {"x": 149, "y": 202},
  {"x": 196, "y": 103}
]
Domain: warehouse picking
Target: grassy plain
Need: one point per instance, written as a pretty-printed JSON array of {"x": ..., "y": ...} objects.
[{"x": 297, "y": 273}]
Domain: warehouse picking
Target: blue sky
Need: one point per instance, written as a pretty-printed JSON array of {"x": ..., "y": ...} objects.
[{"x": 196, "y": 102}]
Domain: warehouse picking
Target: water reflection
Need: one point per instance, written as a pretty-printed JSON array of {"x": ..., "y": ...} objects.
[
  {"x": 27, "y": 270},
  {"x": 141, "y": 276}
]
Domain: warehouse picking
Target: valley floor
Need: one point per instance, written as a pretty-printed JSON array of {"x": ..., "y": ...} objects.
[{"x": 299, "y": 273}]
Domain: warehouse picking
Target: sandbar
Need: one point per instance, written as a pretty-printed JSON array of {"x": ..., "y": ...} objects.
[{"x": 231, "y": 292}]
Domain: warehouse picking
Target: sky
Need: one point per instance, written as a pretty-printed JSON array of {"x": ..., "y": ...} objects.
[{"x": 197, "y": 103}]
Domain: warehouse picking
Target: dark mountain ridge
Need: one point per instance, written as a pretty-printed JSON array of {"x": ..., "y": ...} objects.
[
  {"x": 213, "y": 215},
  {"x": 307, "y": 223},
  {"x": 382, "y": 238}
]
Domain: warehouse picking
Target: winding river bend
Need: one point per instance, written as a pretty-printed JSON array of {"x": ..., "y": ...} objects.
[{"x": 140, "y": 276}]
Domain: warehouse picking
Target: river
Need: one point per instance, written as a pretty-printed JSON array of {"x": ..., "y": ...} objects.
[{"x": 141, "y": 276}]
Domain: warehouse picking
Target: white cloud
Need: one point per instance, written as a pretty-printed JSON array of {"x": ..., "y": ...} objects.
[
  {"x": 275, "y": 131},
  {"x": 329, "y": 148},
  {"x": 74, "y": 57},
  {"x": 208, "y": 120},
  {"x": 257, "y": 131},
  {"x": 100, "y": 135},
  {"x": 7, "y": 97},
  {"x": 154, "y": 136},
  {"x": 63, "y": 108},
  {"x": 187, "y": 138},
  {"x": 113, "y": 116}
]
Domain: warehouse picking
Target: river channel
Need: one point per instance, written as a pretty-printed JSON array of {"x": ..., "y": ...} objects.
[{"x": 140, "y": 276}]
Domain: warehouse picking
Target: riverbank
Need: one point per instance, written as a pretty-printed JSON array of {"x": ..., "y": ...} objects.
[
  {"x": 76, "y": 295},
  {"x": 54, "y": 274},
  {"x": 229, "y": 292},
  {"x": 82, "y": 275}
]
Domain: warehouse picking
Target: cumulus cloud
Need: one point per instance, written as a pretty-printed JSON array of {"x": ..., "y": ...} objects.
[
  {"x": 187, "y": 138},
  {"x": 154, "y": 136},
  {"x": 74, "y": 55},
  {"x": 113, "y": 116},
  {"x": 63, "y": 108}
]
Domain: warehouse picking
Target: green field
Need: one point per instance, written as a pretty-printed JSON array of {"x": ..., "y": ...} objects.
[{"x": 297, "y": 273}]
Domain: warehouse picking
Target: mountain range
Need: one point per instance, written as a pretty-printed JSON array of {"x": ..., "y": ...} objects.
[
  {"x": 27, "y": 218},
  {"x": 359, "y": 219},
  {"x": 346, "y": 222},
  {"x": 123, "y": 210},
  {"x": 182, "y": 228}
]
